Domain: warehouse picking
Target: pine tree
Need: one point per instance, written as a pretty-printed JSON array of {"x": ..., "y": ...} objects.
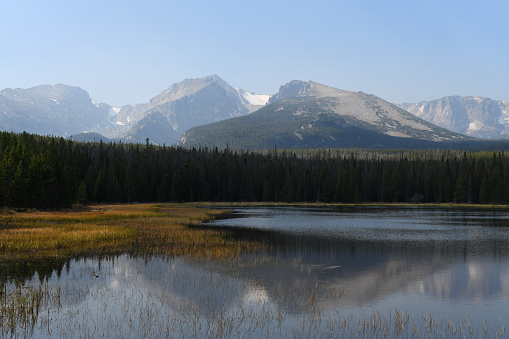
[{"x": 81, "y": 196}]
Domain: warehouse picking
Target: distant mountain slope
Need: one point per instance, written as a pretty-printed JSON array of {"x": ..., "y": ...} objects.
[
  {"x": 184, "y": 105},
  {"x": 90, "y": 137},
  {"x": 154, "y": 126},
  {"x": 57, "y": 110},
  {"x": 309, "y": 107},
  {"x": 308, "y": 114},
  {"x": 372, "y": 110},
  {"x": 475, "y": 116}
]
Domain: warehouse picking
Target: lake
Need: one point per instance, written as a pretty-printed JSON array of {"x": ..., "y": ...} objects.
[{"x": 325, "y": 271}]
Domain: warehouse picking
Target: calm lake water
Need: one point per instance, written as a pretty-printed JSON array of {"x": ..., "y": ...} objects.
[
  {"x": 451, "y": 262},
  {"x": 321, "y": 265}
]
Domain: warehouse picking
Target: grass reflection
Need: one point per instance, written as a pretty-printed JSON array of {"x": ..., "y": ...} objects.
[{"x": 203, "y": 295}]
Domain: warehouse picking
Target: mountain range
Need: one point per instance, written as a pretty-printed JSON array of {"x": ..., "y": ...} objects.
[
  {"x": 189, "y": 103},
  {"x": 57, "y": 110},
  {"x": 209, "y": 112},
  {"x": 475, "y": 116},
  {"x": 309, "y": 114}
]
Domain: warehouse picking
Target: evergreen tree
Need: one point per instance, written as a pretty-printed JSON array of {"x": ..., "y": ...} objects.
[{"x": 81, "y": 196}]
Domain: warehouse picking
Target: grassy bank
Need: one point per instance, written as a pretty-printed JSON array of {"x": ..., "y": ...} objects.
[
  {"x": 183, "y": 298},
  {"x": 153, "y": 228}
]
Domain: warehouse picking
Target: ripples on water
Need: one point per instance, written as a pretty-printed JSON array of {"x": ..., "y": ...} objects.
[
  {"x": 326, "y": 263},
  {"x": 418, "y": 259}
]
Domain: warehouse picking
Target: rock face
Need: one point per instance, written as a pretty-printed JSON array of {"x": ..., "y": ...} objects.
[
  {"x": 65, "y": 111},
  {"x": 474, "y": 116},
  {"x": 367, "y": 109},
  {"x": 308, "y": 114},
  {"x": 311, "y": 109},
  {"x": 189, "y": 103},
  {"x": 57, "y": 110}
]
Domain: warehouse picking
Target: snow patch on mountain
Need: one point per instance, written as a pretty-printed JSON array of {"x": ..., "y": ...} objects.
[
  {"x": 252, "y": 98},
  {"x": 504, "y": 117},
  {"x": 473, "y": 127}
]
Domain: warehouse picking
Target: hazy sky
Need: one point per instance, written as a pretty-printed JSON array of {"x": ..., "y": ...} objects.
[{"x": 126, "y": 52}]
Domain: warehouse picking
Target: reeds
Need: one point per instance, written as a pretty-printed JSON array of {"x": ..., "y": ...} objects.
[
  {"x": 194, "y": 301},
  {"x": 19, "y": 309},
  {"x": 204, "y": 294},
  {"x": 143, "y": 228}
]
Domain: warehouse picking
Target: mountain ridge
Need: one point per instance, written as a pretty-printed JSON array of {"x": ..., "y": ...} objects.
[
  {"x": 52, "y": 109},
  {"x": 471, "y": 115},
  {"x": 67, "y": 110},
  {"x": 186, "y": 104},
  {"x": 308, "y": 114}
]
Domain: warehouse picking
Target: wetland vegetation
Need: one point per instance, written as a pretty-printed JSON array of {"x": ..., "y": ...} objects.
[
  {"x": 151, "y": 274},
  {"x": 147, "y": 228}
]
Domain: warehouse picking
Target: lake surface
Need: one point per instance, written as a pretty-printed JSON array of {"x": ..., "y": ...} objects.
[
  {"x": 321, "y": 266},
  {"x": 447, "y": 262}
]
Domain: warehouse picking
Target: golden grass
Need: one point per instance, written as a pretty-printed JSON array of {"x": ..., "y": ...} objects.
[{"x": 142, "y": 228}]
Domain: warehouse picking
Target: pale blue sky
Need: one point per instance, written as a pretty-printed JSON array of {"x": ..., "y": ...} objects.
[{"x": 125, "y": 52}]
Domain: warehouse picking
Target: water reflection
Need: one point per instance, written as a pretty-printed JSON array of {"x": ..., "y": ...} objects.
[
  {"x": 452, "y": 263},
  {"x": 455, "y": 257}
]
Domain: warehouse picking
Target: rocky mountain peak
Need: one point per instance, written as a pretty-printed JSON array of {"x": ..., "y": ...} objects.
[
  {"x": 48, "y": 93},
  {"x": 470, "y": 115},
  {"x": 189, "y": 103},
  {"x": 52, "y": 109},
  {"x": 298, "y": 88},
  {"x": 188, "y": 87},
  {"x": 291, "y": 89}
]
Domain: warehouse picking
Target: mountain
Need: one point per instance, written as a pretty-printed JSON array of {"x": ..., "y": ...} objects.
[
  {"x": 309, "y": 114},
  {"x": 63, "y": 110},
  {"x": 301, "y": 114},
  {"x": 57, "y": 110},
  {"x": 90, "y": 137},
  {"x": 184, "y": 105},
  {"x": 474, "y": 116},
  {"x": 154, "y": 126}
]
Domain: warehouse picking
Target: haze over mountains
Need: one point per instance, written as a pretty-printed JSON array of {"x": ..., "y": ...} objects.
[
  {"x": 475, "y": 116},
  {"x": 309, "y": 114},
  {"x": 189, "y": 103},
  {"x": 301, "y": 114},
  {"x": 57, "y": 110},
  {"x": 67, "y": 111}
]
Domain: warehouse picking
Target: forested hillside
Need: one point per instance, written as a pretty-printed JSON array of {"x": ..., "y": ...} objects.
[{"x": 47, "y": 172}]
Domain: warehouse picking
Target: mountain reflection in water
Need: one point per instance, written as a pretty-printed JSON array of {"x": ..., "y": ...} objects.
[
  {"x": 421, "y": 260},
  {"x": 455, "y": 257}
]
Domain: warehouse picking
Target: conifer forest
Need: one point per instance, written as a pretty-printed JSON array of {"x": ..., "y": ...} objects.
[{"x": 50, "y": 172}]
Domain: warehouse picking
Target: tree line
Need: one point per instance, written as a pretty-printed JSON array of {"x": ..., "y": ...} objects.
[{"x": 49, "y": 172}]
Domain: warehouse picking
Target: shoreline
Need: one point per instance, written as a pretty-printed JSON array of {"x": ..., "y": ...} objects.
[{"x": 370, "y": 204}]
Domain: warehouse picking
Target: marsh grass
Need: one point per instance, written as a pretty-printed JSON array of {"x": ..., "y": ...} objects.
[
  {"x": 200, "y": 303},
  {"x": 142, "y": 228},
  {"x": 171, "y": 234},
  {"x": 211, "y": 310},
  {"x": 138, "y": 229},
  {"x": 19, "y": 309},
  {"x": 56, "y": 233}
]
